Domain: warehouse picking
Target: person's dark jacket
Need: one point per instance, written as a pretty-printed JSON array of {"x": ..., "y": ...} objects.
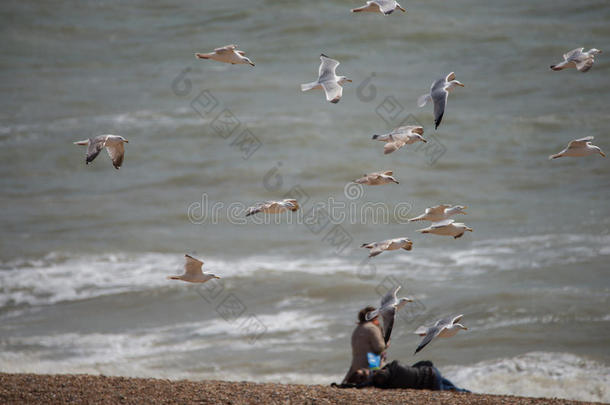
[{"x": 394, "y": 375}]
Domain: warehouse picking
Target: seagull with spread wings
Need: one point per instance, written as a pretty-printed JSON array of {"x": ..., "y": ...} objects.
[
  {"x": 400, "y": 137},
  {"x": 274, "y": 207},
  {"x": 113, "y": 144},
  {"x": 576, "y": 58},
  {"x": 445, "y": 328},
  {"x": 447, "y": 227},
  {"x": 193, "y": 272},
  {"x": 227, "y": 54},
  {"x": 386, "y": 7},
  {"x": 390, "y": 305},
  {"x": 328, "y": 80},
  {"x": 377, "y": 178},
  {"x": 579, "y": 147},
  {"x": 438, "y": 94},
  {"x": 390, "y": 244},
  {"x": 439, "y": 213}
]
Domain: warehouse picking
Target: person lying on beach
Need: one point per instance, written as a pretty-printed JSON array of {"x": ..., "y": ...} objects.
[
  {"x": 421, "y": 375},
  {"x": 368, "y": 344}
]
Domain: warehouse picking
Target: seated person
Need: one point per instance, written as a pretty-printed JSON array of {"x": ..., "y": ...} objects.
[{"x": 366, "y": 338}]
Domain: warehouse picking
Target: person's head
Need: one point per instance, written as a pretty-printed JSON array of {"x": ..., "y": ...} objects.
[
  {"x": 363, "y": 312},
  {"x": 359, "y": 376}
]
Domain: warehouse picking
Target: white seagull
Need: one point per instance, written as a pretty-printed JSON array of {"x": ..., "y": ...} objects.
[
  {"x": 401, "y": 136},
  {"x": 390, "y": 244},
  {"x": 445, "y": 328},
  {"x": 377, "y": 179},
  {"x": 579, "y": 147},
  {"x": 576, "y": 58},
  {"x": 390, "y": 305},
  {"x": 439, "y": 213},
  {"x": 328, "y": 80},
  {"x": 113, "y": 144},
  {"x": 438, "y": 94},
  {"x": 386, "y": 7},
  {"x": 227, "y": 54},
  {"x": 192, "y": 272},
  {"x": 273, "y": 207},
  {"x": 447, "y": 227}
]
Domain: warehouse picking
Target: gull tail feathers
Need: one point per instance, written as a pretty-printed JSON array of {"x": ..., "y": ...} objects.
[
  {"x": 423, "y": 100},
  {"x": 308, "y": 86},
  {"x": 85, "y": 142}
]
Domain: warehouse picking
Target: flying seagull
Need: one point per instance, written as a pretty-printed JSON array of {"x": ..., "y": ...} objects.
[
  {"x": 579, "y": 147},
  {"x": 328, "y": 80},
  {"x": 273, "y": 207},
  {"x": 227, "y": 54},
  {"x": 390, "y": 244},
  {"x": 377, "y": 179},
  {"x": 439, "y": 213},
  {"x": 576, "y": 58},
  {"x": 401, "y": 136},
  {"x": 390, "y": 305},
  {"x": 113, "y": 144},
  {"x": 386, "y": 7},
  {"x": 438, "y": 94},
  {"x": 447, "y": 227},
  {"x": 192, "y": 272},
  {"x": 445, "y": 328}
]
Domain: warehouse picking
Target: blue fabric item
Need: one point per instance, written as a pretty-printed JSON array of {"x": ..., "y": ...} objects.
[
  {"x": 374, "y": 360},
  {"x": 443, "y": 384}
]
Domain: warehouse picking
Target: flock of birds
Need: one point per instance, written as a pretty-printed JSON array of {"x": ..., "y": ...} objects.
[{"x": 439, "y": 215}]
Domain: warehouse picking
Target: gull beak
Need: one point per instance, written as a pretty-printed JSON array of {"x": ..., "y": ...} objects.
[
  {"x": 461, "y": 84},
  {"x": 251, "y": 64},
  {"x": 465, "y": 328},
  {"x": 602, "y": 153},
  {"x": 409, "y": 300},
  {"x": 469, "y": 229},
  {"x": 216, "y": 276},
  {"x": 402, "y": 9},
  {"x": 126, "y": 141},
  {"x": 349, "y": 80}
]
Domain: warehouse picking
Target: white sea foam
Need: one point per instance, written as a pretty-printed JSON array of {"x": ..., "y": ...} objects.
[{"x": 539, "y": 374}]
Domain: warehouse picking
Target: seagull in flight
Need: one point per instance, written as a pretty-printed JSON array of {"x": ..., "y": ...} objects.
[
  {"x": 438, "y": 94},
  {"x": 400, "y": 137},
  {"x": 445, "y": 328},
  {"x": 328, "y": 80},
  {"x": 192, "y": 272},
  {"x": 439, "y": 213},
  {"x": 113, "y": 144},
  {"x": 576, "y": 58},
  {"x": 579, "y": 147},
  {"x": 274, "y": 207},
  {"x": 386, "y": 7},
  {"x": 227, "y": 54},
  {"x": 391, "y": 244},
  {"x": 447, "y": 227},
  {"x": 377, "y": 178},
  {"x": 390, "y": 305}
]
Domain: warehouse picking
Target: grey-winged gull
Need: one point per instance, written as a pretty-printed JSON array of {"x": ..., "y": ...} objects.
[
  {"x": 445, "y": 328},
  {"x": 227, "y": 54},
  {"x": 579, "y": 147},
  {"x": 447, "y": 227},
  {"x": 576, "y": 58},
  {"x": 377, "y": 178},
  {"x": 390, "y": 244},
  {"x": 401, "y": 136},
  {"x": 439, "y": 213},
  {"x": 113, "y": 144},
  {"x": 328, "y": 80},
  {"x": 386, "y": 7},
  {"x": 390, "y": 305},
  {"x": 274, "y": 207},
  {"x": 192, "y": 272},
  {"x": 438, "y": 94}
]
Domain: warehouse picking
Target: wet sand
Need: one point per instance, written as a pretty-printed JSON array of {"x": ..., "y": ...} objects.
[{"x": 56, "y": 389}]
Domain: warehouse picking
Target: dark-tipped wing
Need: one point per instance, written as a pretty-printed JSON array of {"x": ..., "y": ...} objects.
[
  {"x": 333, "y": 91},
  {"x": 439, "y": 98},
  {"x": 95, "y": 147},
  {"x": 388, "y": 323},
  {"x": 431, "y": 334}
]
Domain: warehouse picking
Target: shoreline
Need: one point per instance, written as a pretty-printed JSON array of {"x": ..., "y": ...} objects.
[{"x": 85, "y": 388}]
